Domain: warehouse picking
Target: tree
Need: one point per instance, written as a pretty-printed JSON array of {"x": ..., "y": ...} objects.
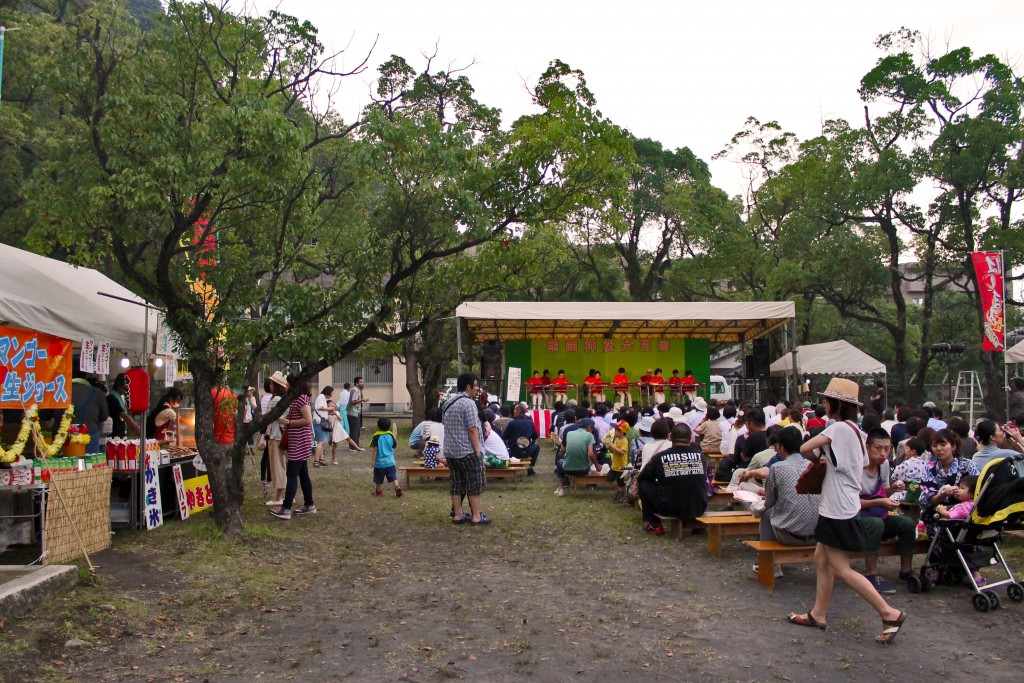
[
  {"x": 195, "y": 156},
  {"x": 970, "y": 114}
]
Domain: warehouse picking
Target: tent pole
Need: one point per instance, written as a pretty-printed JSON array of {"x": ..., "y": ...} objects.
[
  {"x": 458, "y": 343},
  {"x": 796, "y": 370}
]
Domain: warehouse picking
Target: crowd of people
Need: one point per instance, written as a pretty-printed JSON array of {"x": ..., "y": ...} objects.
[{"x": 881, "y": 463}]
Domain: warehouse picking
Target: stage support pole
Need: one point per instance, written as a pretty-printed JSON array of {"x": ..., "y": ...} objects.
[
  {"x": 458, "y": 343},
  {"x": 796, "y": 370}
]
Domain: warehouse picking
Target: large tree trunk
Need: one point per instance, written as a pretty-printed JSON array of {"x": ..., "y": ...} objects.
[
  {"x": 224, "y": 464},
  {"x": 412, "y": 381}
]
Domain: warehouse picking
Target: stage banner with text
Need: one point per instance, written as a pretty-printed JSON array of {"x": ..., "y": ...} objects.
[
  {"x": 34, "y": 368},
  {"x": 988, "y": 267}
]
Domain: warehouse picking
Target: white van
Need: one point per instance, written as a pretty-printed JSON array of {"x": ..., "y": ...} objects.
[{"x": 719, "y": 389}]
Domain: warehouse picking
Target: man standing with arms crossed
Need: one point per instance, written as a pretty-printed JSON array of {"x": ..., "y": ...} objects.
[
  {"x": 462, "y": 453},
  {"x": 355, "y": 411}
]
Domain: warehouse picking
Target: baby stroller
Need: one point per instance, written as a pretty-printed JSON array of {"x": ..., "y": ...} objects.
[{"x": 959, "y": 545}]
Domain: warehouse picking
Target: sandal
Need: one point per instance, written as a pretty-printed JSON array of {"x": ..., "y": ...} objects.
[
  {"x": 891, "y": 629},
  {"x": 806, "y": 620},
  {"x": 461, "y": 520},
  {"x": 484, "y": 519}
]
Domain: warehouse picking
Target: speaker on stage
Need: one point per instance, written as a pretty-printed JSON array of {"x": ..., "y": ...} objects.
[
  {"x": 761, "y": 360},
  {"x": 490, "y": 363}
]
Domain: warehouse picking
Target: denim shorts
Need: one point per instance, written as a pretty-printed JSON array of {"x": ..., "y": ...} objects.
[
  {"x": 382, "y": 473},
  {"x": 319, "y": 435}
]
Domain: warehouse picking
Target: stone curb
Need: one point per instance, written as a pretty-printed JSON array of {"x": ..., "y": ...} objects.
[{"x": 35, "y": 587}]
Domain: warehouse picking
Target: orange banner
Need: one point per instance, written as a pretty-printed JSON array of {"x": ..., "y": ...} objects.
[{"x": 34, "y": 368}]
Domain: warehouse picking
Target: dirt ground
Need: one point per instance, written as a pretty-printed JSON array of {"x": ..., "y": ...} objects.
[{"x": 557, "y": 589}]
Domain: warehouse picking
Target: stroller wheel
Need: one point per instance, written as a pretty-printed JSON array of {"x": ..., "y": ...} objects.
[
  {"x": 980, "y": 602},
  {"x": 1015, "y": 592},
  {"x": 993, "y": 600},
  {"x": 914, "y": 584}
]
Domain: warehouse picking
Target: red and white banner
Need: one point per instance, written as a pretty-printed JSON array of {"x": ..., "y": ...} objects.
[
  {"x": 988, "y": 267},
  {"x": 542, "y": 421}
]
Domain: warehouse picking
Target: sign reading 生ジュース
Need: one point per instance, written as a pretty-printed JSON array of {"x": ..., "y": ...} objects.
[
  {"x": 34, "y": 368},
  {"x": 988, "y": 267}
]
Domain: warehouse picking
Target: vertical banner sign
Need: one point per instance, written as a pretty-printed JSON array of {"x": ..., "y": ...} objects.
[
  {"x": 515, "y": 382},
  {"x": 179, "y": 488},
  {"x": 87, "y": 356},
  {"x": 988, "y": 267},
  {"x": 103, "y": 358},
  {"x": 34, "y": 368},
  {"x": 170, "y": 371},
  {"x": 154, "y": 508}
]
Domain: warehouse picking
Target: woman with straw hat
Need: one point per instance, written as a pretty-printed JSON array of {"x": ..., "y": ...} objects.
[{"x": 839, "y": 531}]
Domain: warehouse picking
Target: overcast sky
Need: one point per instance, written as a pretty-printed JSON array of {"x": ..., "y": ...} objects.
[{"x": 682, "y": 73}]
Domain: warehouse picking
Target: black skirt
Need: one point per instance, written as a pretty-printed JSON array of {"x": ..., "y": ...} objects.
[{"x": 844, "y": 534}]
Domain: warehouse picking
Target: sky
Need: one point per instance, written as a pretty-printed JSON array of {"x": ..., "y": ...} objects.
[{"x": 687, "y": 74}]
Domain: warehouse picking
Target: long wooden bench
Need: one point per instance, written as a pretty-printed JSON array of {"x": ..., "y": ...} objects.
[
  {"x": 513, "y": 473},
  {"x": 589, "y": 480},
  {"x": 771, "y": 553},
  {"x": 676, "y": 526},
  {"x": 743, "y": 524}
]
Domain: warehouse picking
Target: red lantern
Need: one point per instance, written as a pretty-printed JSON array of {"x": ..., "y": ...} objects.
[{"x": 138, "y": 389}]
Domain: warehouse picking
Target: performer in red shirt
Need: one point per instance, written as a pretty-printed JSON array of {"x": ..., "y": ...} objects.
[
  {"x": 645, "y": 386},
  {"x": 559, "y": 384},
  {"x": 621, "y": 384},
  {"x": 597, "y": 387},
  {"x": 690, "y": 385},
  {"x": 675, "y": 383},
  {"x": 545, "y": 383},
  {"x": 536, "y": 392},
  {"x": 657, "y": 385}
]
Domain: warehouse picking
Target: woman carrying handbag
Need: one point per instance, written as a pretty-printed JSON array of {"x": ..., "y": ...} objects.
[{"x": 839, "y": 531}]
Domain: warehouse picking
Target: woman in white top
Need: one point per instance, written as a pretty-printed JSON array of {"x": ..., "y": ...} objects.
[{"x": 839, "y": 531}]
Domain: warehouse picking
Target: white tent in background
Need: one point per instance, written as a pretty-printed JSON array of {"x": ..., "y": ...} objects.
[
  {"x": 1015, "y": 354},
  {"x": 43, "y": 294},
  {"x": 832, "y": 358}
]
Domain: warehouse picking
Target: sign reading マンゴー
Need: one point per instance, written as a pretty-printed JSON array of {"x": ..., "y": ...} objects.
[{"x": 34, "y": 368}]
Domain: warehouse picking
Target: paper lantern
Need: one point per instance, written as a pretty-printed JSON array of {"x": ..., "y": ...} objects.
[{"x": 138, "y": 389}]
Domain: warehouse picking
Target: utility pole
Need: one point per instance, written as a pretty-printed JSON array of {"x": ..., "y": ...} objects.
[{"x": 3, "y": 30}]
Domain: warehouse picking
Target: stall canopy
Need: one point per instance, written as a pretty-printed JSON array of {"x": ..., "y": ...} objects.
[
  {"x": 51, "y": 296},
  {"x": 832, "y": 358},
  {"x": 717, "y": 321},
  {"x": 1015, "y": 354}
]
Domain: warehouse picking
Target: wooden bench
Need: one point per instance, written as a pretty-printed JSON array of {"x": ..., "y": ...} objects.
[
  {"x": 771, "y": 553},
  {"x": 589, "y": 480},
  {"x": 743, "y": 524},
  {"x": 676, "y": 526},
  {"x": 513, "y": 473}
]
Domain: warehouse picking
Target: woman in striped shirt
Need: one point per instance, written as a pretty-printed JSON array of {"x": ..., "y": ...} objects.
[{"x": 298, "y": 423}]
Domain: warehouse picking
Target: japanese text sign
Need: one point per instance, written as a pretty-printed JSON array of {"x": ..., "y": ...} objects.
[
  {"x": 151, "y": 484},
  {"x": 179, "y": 488},
  {"x": 34, "y": 368},
  {"x": 198, "y": 496},
  {"x": 988, "y": 267}
]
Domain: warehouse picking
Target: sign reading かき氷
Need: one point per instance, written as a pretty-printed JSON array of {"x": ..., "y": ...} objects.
[{"x": 35, "y": 368}]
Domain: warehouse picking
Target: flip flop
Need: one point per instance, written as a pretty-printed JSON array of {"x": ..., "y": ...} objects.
[
  {"x": 806, "y": 620},
  {"x": 461, "y": 520},
  {"x": 484, "y": 519},
  {"x": 891, "y": 629}
]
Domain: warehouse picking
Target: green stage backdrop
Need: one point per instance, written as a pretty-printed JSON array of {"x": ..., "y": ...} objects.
[{"x": 578, "y": 356}]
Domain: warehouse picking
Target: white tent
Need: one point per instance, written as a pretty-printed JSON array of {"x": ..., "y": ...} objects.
[
  {"x": 1015, "y": 354},
  {"x": 730, "y": 321},
  {"x": 832, "y": 358},
  {"x": 43, "y": 294}
]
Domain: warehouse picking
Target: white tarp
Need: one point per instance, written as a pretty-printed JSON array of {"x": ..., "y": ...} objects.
[
  {"x": 1015, "y": 354},
  {"x": 51, "y": 296},
  {"x": 832, "y": 358},
  {"x": 719, "y": 321}
]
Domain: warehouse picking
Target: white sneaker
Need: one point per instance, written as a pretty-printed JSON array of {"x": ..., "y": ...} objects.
[
  {"x": 274, "y": 503},
  {"x": 778, "y": 570},
  {"x": 559, "y": 492}
]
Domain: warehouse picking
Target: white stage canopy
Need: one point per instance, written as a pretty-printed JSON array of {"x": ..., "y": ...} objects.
[
  {"x": 1015, "y": 354},
  {"x": 50, "y": 296},
  {"x": 718, "y": 321},
  {"x": 832, "y": 358}
]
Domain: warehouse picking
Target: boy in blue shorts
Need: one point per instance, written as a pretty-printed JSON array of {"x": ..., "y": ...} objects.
[{"x": 382, "y": 448}]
